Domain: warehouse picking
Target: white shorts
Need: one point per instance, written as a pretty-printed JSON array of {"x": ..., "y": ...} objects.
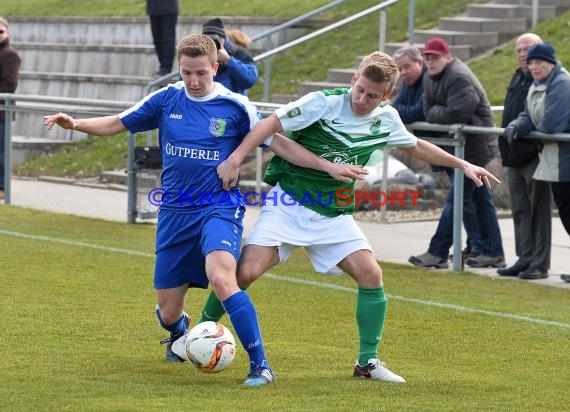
[{"x": 327, "y": 240}]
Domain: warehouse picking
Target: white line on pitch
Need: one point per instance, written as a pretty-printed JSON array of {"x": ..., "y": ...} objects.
[
  {"x": 425, "y": 302},
  {"x": 458, "y": 308},
  {"x": 76, "y": 243}
]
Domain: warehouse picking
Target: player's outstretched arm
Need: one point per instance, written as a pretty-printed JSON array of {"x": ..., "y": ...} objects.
[
  {"x": 228, "y": 170},
  {"x": 435, "y": 155},
  {"x": 298, "y": 155},
  {"x": 98, "y": 126}
]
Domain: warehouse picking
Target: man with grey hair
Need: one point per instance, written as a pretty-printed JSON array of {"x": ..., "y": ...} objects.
[
  {"x": 411, "y": 66},
  {"x": 452, "y": 94},
  {"x": 530, "y": 198},
  {"x": 9, "y": 74}
]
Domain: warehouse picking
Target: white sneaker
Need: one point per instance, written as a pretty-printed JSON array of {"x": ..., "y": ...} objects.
[
  {"x": 375, "y": 370},
  {"x": 179, "y": 347}
]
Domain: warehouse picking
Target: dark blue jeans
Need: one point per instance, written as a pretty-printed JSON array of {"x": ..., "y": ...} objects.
[
  {"x": 163, "y": 30},
  {"x": 479, "y": 219}
]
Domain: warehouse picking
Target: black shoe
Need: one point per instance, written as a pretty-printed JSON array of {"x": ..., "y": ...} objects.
[
  {"x": 565, "y": 277},
  {"x": 514, "y": 270},
  {"x": 533, "y": 273}
]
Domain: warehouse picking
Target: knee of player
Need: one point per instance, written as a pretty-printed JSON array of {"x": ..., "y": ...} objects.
[
  {"x": 222, "y": 282},
  {"x": 169, "y": 317},
  {"x": 247, "y": 274},
  {"x": 370, "y": 279}
]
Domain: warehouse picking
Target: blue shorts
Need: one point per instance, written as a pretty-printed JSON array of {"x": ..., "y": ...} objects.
[{"x": 184, "y": 239}]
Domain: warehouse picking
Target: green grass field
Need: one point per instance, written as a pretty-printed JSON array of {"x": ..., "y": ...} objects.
[{"x": 78, "y": 332}]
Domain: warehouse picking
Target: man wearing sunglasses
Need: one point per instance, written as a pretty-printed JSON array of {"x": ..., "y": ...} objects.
[{"x": 9, "y": 73}]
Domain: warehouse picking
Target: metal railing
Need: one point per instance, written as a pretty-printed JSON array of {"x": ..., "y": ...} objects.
[
  {"x": 270, "y": 53},
  {"x": 458, "y": 131},
  {"x": 89, "y": 107},
  {"x": 38, "y": 104}
]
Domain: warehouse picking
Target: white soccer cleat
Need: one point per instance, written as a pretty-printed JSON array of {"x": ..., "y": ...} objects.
[
  {"x": 375, "y": 370},
  {"x": 179, "y": 347}
]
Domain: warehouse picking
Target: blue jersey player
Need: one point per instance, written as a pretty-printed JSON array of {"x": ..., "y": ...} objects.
[{"x": 199, "y": 226}]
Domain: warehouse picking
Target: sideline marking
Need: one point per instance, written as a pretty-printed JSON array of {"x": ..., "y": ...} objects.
[
  {"x": 425, "y": 302},
  {"x": 451, "y": 306},
  {"x": 76, "y": 243}
]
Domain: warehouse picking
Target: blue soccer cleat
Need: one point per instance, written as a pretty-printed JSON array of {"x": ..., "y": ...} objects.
[
  {"x": 170, "y": 355},
  {"x": 260, "y": 375}
]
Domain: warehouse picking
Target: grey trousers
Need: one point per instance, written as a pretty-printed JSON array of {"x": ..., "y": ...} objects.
[{"x": 532, "y": 215}]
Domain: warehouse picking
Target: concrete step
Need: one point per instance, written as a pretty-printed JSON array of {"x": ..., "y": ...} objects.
[
  {"x": 561, "y": 5},
  {"x": 24, "y": 147},
  {"x": 81, "y": 85},
  {"x": 507, "y": 11},
  {"x": 340, "y": 75},
  {"x": 482, "y": 40},
  {"x": 119, "y": 177},
  {"x": 109, "y": 59},
  {"x": 307, "y": 87},
  {"x": 136, "y": 30},
  {"x": 30, "y": 124},
  {"x": 284, "y": 98},
  {"x": 461, "y": 51},
  {"x": 511, "y": 26}
]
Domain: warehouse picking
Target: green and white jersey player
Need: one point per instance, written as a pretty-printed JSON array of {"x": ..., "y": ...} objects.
[
  {"x": 325, "y": 123},
  {"x": 344, "y": 125}
]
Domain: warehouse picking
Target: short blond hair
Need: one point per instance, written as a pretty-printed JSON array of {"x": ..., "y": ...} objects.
[
  {"x": 380, "y": 68},
  {"x": 4, "y": 22},
  {"x": 239, "y": 37},
  {"x": 196, "y": 45}
]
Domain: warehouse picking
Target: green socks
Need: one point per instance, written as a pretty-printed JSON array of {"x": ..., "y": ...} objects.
[
  {"x": 213, "y": 309},
  {"x": 371, "y": 306}
]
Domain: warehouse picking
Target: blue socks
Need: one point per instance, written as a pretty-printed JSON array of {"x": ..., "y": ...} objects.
[
  {"x": 241, "y": 311},
  {"x": 178, "y": 328}
]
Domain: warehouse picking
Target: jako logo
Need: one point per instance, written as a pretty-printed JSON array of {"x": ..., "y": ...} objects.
[{"x": 175, "y": 116}]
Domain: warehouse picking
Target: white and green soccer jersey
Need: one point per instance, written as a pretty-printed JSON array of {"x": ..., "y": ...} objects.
[{"x": 324, "y": 123}]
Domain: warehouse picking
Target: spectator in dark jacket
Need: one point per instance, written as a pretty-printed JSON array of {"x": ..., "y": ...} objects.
[
  {"x": 9, "y": 74},
  {"x": 530, "y": 199},
  {"x": 163, "y": 15},
  {"x": 546, "y": 111},
  {"x": 237, "y": 70},
  {"x": 409, "y": 102},
  {"x": 452, "y": 94}
]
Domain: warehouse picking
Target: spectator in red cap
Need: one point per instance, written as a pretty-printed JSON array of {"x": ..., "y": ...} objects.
[{"x": 452, "y": 94}]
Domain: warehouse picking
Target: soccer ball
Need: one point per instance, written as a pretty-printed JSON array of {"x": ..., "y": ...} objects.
[{"x": 210, "y": 346}]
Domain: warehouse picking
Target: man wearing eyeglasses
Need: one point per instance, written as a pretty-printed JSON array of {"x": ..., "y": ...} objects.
[{"x": 9, "y": 73}]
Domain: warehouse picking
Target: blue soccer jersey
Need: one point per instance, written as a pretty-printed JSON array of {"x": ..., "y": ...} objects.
[{"x": 195, "y": 135}]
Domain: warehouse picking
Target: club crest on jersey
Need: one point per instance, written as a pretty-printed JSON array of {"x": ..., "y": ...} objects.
[
  {"x": 295, "y": 111},
  {"x": 217, "y": 126},
  {"x": 375, "y": 126}
]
